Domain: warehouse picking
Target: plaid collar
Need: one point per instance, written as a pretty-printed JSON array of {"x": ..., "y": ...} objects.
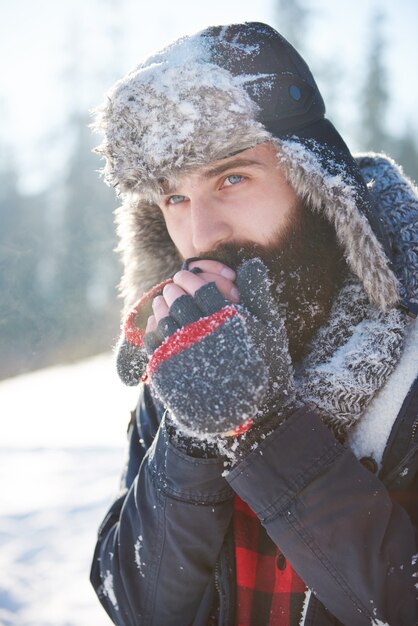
[{"x": 269, "y": 591}]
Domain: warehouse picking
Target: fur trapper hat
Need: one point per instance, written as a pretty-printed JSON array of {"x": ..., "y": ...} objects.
[{"x": 207, "y": 97}]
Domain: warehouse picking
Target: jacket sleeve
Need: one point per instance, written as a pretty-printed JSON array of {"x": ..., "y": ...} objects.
[
  {"x": 335, "y": 522},
  {"x": 158, "y": 545}
]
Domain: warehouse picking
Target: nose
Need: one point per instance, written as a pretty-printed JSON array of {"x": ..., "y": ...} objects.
[{"x": 209, "y": 226}]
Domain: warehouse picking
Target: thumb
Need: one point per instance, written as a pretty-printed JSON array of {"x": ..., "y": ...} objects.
[
  {"x": 130, "y": 362},
  {"x": 254, "y": 286}
]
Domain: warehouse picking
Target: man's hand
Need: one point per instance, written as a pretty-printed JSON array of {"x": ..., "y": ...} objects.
[
  {"x": 186, "y": 282},
  {"x": 214, "y": 363},
  {"x": 215, "y": 349},
  {"x": 132, "y": 359}
]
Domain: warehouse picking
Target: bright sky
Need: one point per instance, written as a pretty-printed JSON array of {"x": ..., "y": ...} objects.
[{"x": 58, "y": 56}]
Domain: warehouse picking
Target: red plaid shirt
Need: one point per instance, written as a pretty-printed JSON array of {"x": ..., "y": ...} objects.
[{"x": 269, "y": 592}]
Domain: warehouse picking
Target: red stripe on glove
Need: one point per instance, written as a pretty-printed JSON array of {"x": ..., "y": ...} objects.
[
  {"x": 187, "y": 336},
  {"x": 133, "y": 334}
]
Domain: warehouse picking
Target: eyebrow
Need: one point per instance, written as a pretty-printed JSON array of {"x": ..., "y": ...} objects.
[
  {"x": 223, "y": 167},
  {"x": 213, "y": 172}
]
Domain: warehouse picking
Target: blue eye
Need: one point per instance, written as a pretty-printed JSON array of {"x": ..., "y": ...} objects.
[
  {"x": 234, "y": 179},
  {"x": 176, "y": 199}
]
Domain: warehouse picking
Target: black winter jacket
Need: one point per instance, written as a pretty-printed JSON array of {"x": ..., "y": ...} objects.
[{"x": 165, "y": 549}]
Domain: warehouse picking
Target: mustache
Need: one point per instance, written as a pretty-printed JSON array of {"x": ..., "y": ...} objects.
[
  {"x": 233, "y": 254},
  {"x": 283, "y": 242}
]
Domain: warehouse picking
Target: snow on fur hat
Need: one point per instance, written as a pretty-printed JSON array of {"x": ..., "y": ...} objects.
[{"x": 212, "y": 95}]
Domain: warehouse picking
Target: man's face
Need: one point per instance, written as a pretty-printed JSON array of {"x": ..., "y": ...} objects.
[
  {"x": 243, "y": 207},
  {"x": 244, "y": 198}
]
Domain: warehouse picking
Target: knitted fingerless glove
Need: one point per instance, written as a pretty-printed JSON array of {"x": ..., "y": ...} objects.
[{"x": 217, "y": 366}]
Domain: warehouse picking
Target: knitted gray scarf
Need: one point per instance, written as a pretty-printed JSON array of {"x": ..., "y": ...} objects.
[{"x": 351, "y": 357}]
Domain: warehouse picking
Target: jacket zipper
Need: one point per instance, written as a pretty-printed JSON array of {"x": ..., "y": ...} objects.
[
  {"x": 217, "y": 583},
  {"x": 414, "y": 428},
  {"x": 221, "y": 595},
  {"x": 222, "y": 582}
]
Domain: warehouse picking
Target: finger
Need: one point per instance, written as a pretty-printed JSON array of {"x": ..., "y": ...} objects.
[
  {"x": 255, "y": 288},
  {"x": 209, "y": 299},
  {"x": 167, "y": 326},
  {"x": 191, "y": 283},
  {"x": 160, "y": 308},
  {"x": 171, "y": 292},
  {"x": 213, "y": 267},
  {"x": 227, "y": 288},
  {"x": 188, "y": 281},
  {"x": 151, "y": 324},
  {"x": 185, "y": 311},
  {"x": 152, "y": 340},
  {"x": 155, "y": 333}
]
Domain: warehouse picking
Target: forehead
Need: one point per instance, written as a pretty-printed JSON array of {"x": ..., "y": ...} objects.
[{"x": 262, "y": 156}]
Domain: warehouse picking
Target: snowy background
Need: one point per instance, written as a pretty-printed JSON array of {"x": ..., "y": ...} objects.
[
  {"x": 62, "y": 434},
  {"x": 63, "y": 56},
  {"x": 62, "y": 429}
]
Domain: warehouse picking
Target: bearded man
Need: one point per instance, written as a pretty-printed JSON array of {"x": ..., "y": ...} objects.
[{"x": 272, "y": 471}]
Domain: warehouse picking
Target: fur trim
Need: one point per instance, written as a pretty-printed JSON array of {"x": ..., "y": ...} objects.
[
  {"x": 336, "y": 197},
  {"x": 175, "y": 112}
]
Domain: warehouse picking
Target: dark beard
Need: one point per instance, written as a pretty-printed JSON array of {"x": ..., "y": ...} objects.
[{"x": 307, "y": 268}]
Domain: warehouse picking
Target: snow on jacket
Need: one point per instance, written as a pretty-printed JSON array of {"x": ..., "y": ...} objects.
[{"x": 165, "y": 547}]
